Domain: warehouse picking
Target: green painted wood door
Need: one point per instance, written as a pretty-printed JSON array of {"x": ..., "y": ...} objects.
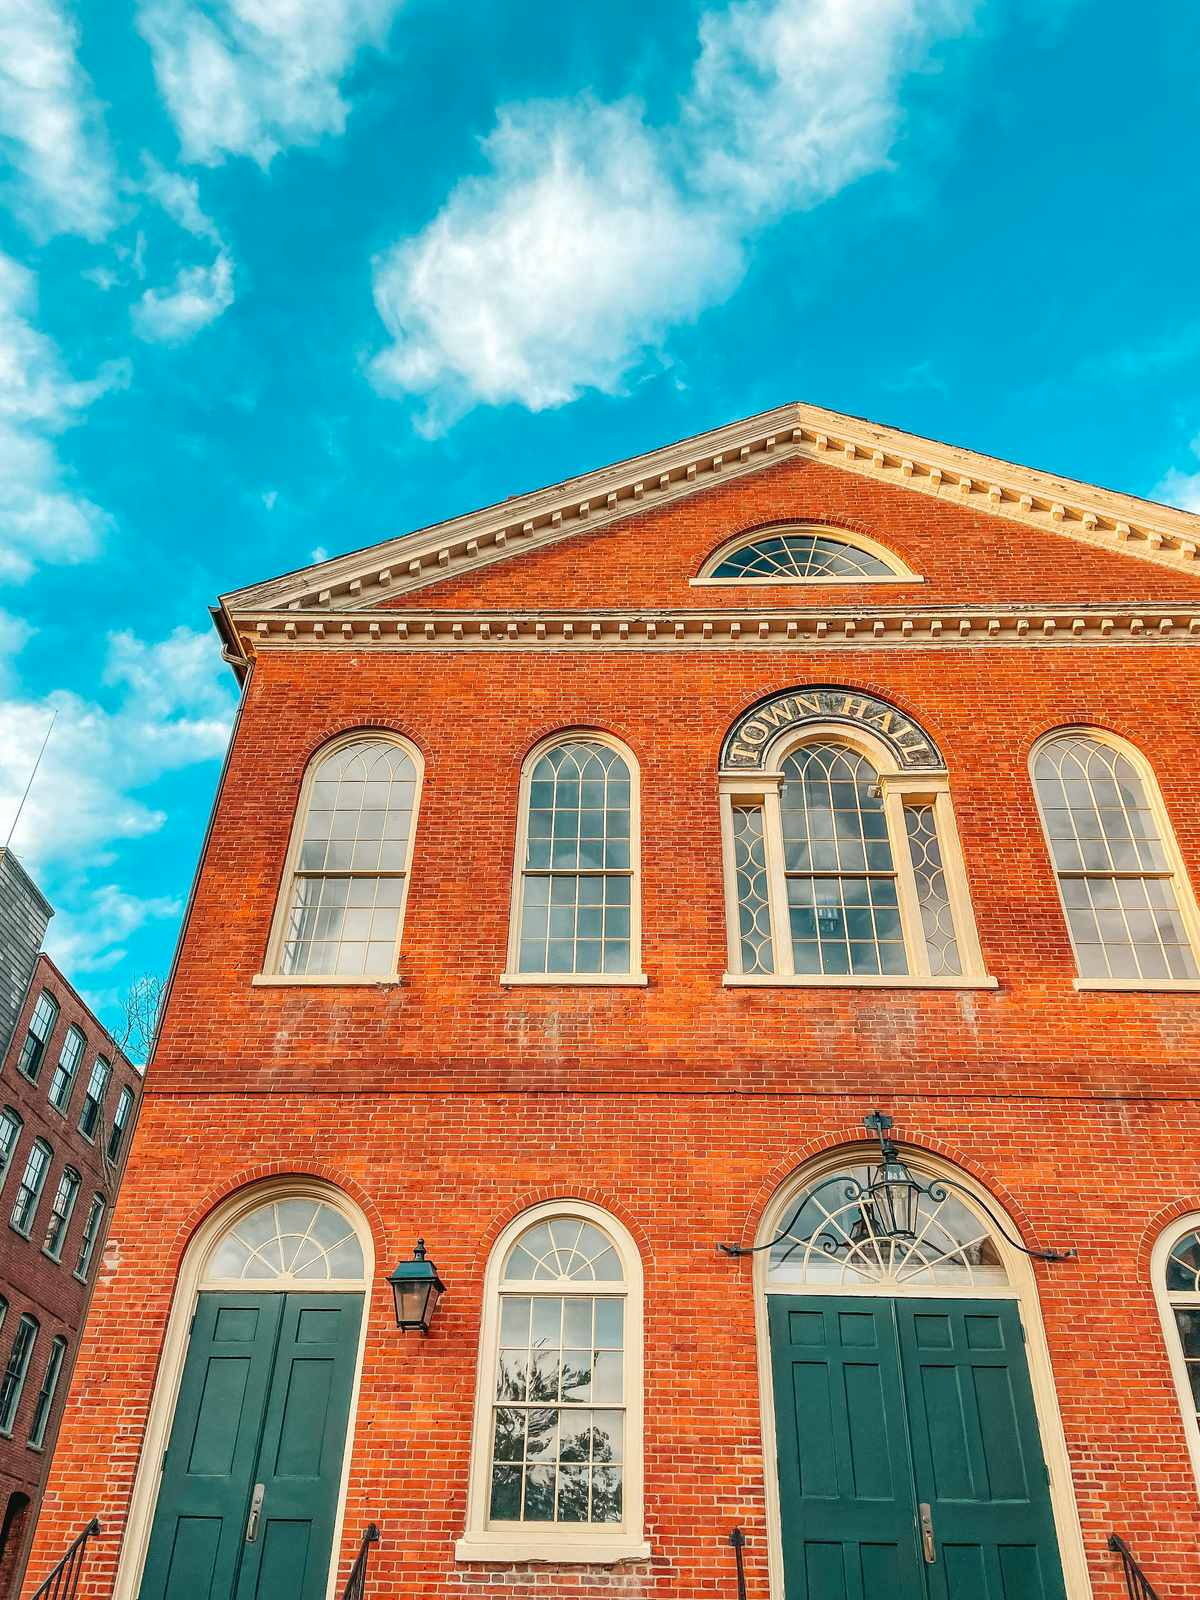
[
  {"x": 883, "y": 1407},
  {"x": 264, "y": 1400},
  {"x": 977, "y": 1452}
]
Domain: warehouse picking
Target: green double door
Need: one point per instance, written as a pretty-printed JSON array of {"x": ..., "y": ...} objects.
[
  {"x": 910, "y": 1461},
  {"x": 250, "y": 1479}
]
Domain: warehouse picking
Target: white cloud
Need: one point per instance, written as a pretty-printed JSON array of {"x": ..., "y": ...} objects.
[
  {"x": 92, "y": 938},
  {"x": 250, "y": 77},
  {"x": 42, "y": 517},
  {"x": 179, "y": 197},
  {"x": 592, "y": 233},
  {"x": 50, "y": 124},
  {"x": 552, "y": 273},
  {"x": 197, "y": 297},
  {"x": 1180, "y": 489},
  {"x": 170, "y": 709}
]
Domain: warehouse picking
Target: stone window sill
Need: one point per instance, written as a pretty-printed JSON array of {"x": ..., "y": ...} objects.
[
  {"x": 567, "y": 1550},
  {"x": 279, "y": 980},
  {"x": 617, "y": 980},
  {"x": 1145, "y": 985},
  {"x": 760, "y": 980}
]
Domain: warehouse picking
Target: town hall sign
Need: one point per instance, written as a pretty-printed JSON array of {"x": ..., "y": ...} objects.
[{"x": 755, "y": 730}]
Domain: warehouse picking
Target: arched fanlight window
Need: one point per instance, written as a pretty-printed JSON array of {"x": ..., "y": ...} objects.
[
  {"x": 557, "y": 1464},
  {"x": 576, "y": 897},
  {"x": 342, "y": 906},
  {"x": 293, "y": 1239},
  {"x": 1175, "y": 1266},
  {"x": 816, "y": 554},
  {"x": 1128, "y": 904},
  {"x": 841, "y": 868}
]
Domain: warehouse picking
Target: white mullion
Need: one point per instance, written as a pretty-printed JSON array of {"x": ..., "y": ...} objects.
[{"x": 777, "y": 895}]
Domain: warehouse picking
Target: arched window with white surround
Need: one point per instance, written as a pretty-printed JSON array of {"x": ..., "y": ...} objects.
[
  {"x": 557, "y": 1453},
  {"x": 576, "y": 914},
  {"x": 341, "y": 909},
  {"x": 1129, "y": 906},
  {"x": 1175, "y": 1268},
  {"x": 841, "y": 865},
  {"x": 804, "y": 553}
]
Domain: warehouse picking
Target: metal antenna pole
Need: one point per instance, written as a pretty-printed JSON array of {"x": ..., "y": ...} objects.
[{"x": 32, "y": 776}]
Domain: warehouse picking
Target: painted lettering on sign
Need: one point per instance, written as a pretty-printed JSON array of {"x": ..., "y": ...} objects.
[{"x": 747, "y": 741}]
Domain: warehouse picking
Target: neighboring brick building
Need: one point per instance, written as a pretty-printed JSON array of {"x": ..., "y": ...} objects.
[
  {"x": 68, "y": 1103},
  {"x": 584, "y": 872}
]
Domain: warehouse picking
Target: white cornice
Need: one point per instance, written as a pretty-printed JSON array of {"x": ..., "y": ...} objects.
[
  {"x": 902, "y": 628},
  {"x": 1021, "y": 496}
]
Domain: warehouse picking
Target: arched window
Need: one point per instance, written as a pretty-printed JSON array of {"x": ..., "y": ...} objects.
[
  {"x": 1129, "y": 907},
  {"x": 557, "y": 1452},
  {"x": 576, "y": 897},
  {"x": 815, "y": 554},
  {"x": 69, "y": 1058},
  {"x": 10, "y": 1131},
  {"x": 1175, "y": 1267},
  {"x": 13, "y": 1381},
  {"x": 294, "y": 1239},
  {"x": 346, "y": 883},
  {"x": 41, "y": 1026},
  {"x": 29, "y": 1192},
  {"x": 842, "y": 868}
]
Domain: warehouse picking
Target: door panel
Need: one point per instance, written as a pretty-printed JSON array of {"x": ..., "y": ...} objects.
[
  {"x": 203, "y": 1501},
  {"x": 845, "y": 1484},
  {"x": 976, "y": 1451},
  {"x": 303, "y": 1444}
]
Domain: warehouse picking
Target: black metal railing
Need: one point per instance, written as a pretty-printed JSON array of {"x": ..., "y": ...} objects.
[
  {"x": 1137, "y": 1585},
  {"x": 738, "y": 1540},
  {"x": 356, "y": 1583},
  {"x": 63, "y": 1582}
]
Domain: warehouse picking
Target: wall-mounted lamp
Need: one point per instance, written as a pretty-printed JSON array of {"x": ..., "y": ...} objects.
[{"x": 417, "y": 1290}]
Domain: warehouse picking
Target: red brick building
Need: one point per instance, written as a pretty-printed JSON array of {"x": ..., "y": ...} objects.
[
  {"x": 585, "y": 870},
  {"x": 68, "y": 1103}
]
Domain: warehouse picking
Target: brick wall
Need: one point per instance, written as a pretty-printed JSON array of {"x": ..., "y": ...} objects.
[{"x": 444, "y": 1103}]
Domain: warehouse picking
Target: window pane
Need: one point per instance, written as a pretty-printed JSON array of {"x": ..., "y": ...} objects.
[
  {"x": 937, "y": 919},
  {"x": 754, "y": 911}
]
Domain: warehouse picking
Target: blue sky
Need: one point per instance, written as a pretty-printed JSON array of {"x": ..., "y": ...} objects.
[{"x": 282, "y": 277}]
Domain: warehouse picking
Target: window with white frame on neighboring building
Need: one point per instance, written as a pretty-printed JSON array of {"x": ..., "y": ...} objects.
[
  {"x": 45, "y": 1398},
  {"x": 576, "y": 896},
  {"x": 120, "y": 1122},
  {"x": 10, "y": 1131},
  {"x": 69, "y": 1058},
  {"x": 13, "y": 1381},
  {"x": 1129, "y": 907},
  {"x": 33, "y": 1179},
  {"x": 557, "y": 1459},
  {"x": 346, "y": 883},
  {"x": 41, "y": 1026},
  {"x": 93, "y": 1100},
  {"x": 91, "y": 1232},
  {"x": 841, "y": 867},
  {"x": 60, "y": 1212}
]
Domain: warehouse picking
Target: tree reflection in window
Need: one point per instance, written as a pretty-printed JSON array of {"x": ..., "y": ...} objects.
[{"x": 558, "y": 1428}]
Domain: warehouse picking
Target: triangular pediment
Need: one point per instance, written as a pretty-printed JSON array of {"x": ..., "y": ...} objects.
[{"x": 1021, "y": 496}]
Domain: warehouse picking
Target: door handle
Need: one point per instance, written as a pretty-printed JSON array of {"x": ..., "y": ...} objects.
[
  {"x": 256, "y": 1501},
  {"x": 927, "y": 1544}
]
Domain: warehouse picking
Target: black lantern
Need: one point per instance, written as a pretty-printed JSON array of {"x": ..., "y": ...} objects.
[
  {"x": 417, "y": 1290},
  {"x": 892, "y": 1195}
]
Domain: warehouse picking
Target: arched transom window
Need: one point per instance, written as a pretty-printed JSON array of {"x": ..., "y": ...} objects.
[
  {"x": 576, "y": 911},
  {"x": 1128, "y": 905},
  {"x": 348, "y": 870},
  {"x": 842, "y": 868},
  {"x": 295, "y": 1239},
  {"x": 830, "y": 1236},
  {"x": 558, "y": 1454},
  {"x": 804, "y": 555}
]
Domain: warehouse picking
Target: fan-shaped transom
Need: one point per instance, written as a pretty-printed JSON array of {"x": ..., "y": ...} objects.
[
  {"x": 801, "y": 556},
  {"x": 832, "y": 1238},
  {"x": 564, "y": 1248},
  {"x": 1183, "y": 1266},
  {"x": 295, "y": 1238}
]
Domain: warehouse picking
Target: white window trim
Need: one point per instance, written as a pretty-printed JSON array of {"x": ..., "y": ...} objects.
[
  {"x": 1180, "y": 880},
  {"x": 563, "y": 1543},
  {"x": 192, "y": 1278},
  {"x": 897, "y": 788},
  {"x": 1022, "y": 1287},
  {"x": 270, "y": 976},
  {"x": 634, "y": 976},
  {"x": 900, "y": 571},
  {"x": 1167, "y": 1300}
]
